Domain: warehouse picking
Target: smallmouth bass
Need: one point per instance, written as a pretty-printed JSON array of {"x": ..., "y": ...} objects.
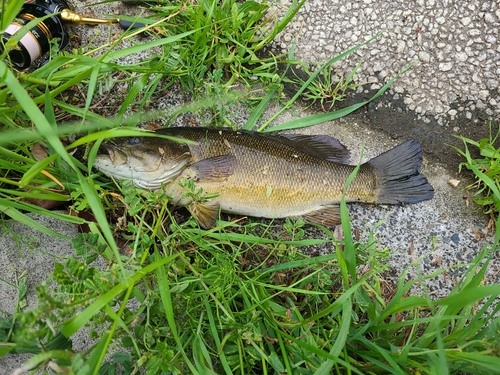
[{"x": 264, "y": 175}]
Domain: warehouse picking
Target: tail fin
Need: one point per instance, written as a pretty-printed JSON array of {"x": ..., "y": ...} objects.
[{"x": 398, "y": 175}]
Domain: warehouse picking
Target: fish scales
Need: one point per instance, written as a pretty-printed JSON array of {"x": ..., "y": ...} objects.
[
  {"x": 265, "y": 175},
  {"x": 273, "y": 179}
]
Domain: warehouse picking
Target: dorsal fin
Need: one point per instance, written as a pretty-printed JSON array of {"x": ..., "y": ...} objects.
[{"x": 319, "y": 146}]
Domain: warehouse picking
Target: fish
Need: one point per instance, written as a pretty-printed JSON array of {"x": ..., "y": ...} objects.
[{"x": 263, "y": 175}]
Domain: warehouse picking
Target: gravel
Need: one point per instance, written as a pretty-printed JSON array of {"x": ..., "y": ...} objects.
[{"x": 457, "y": 44}]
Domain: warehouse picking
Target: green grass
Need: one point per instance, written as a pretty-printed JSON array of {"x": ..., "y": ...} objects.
[
  {"x": 238, "y": 299},
  {"x": 486, "y": 169},
  {"x": 329, "y": 87},
  {"x": 242, "y": 297}
]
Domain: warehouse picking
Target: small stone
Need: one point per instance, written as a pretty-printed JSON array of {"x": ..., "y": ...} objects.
[
  {"x": 474, "y": 32},
  {"x": 440, "y": 20},
  {"x": 452, "y": 112},
  {"x": 408, "y": 101},
  {"x": 480, "y": 104},
  {"x": 445, "y": 67},
  {"x": 490, "y": 38},
  {"x": 461, "y": 56},
  {"x": 465, "y": 21},
  {"x": 424, "y": 56},
  {"x": 398, "y": 89},
  {"x": 489, "y": 18},
  {"x": 407, "y": 30},
  {"x": 453, "y": 183},
  {"x": 401, "y": 46},
  {"x": 483, "y": 94}
]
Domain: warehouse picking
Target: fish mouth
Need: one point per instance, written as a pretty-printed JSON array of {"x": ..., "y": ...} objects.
[
  {"x": 109, "y": 149},
  {"x": 119, "y": 157}
]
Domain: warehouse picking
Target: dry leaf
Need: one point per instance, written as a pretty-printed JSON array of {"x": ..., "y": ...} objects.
[{"x": 38, "y": 152}]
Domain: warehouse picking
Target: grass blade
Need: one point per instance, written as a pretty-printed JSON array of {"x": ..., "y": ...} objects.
[{"x": 74, "y": 324}]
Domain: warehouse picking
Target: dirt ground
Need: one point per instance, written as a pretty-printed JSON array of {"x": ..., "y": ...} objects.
[{"x": 399, "y": 123}]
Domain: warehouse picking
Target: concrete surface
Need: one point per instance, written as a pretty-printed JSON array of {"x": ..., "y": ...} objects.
[
  {"x": 457, "y": 42},
  {"x": 457, "y": 79}
]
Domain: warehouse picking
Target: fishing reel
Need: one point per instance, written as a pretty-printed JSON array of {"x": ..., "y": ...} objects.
[
  {"x": 54, "y": 15},
  {"x": 36, "y": 42}
]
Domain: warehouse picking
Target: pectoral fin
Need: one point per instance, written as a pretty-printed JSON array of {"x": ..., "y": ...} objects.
[
  {"x": 217, "y": 167},
  {"x": 206, "y": 213},
  {"x": 327, "y": 215}
]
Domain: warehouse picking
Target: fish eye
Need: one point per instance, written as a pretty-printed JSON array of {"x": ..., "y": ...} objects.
[{"x": 134, "y": 141}]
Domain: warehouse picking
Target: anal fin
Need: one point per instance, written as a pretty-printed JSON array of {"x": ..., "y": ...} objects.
[
  {"x": 327, "y": 215},
  {"x": 205, "y": 213}
]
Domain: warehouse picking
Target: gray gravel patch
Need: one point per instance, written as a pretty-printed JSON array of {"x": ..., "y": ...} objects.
[{"x": 457, "y": 44}]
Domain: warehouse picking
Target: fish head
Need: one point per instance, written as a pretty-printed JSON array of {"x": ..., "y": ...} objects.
[{"x": 148, "y": 161}]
